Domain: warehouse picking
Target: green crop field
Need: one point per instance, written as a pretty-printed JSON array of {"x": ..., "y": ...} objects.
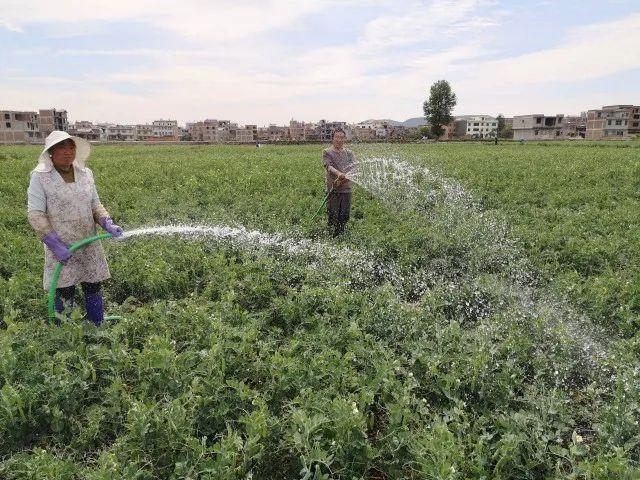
[{"x": 478, "y": 319}]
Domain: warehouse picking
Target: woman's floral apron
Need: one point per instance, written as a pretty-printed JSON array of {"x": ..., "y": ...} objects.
[{"x": 69, "y": 211}]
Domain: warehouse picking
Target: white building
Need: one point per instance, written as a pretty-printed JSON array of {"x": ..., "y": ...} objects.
[
  {"x": 476, "y": 126},
  {"x": 121, "y": 133},
  {"x": 165, "y": 128}
]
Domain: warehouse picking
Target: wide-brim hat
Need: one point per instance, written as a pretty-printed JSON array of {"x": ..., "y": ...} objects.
[{"x": 83, "y": 148}]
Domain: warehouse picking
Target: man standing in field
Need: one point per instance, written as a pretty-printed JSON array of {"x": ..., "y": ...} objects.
[{"x": 338, "y": 161}]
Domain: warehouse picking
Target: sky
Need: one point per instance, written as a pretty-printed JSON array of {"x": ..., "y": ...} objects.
[{"x": 270, "y": 61}]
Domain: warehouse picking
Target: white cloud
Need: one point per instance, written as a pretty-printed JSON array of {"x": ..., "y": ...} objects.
[
  {"x": 587, "y": 52},
  {"x": 419, "y": 22},
  {"x": 9, "y": 26},
  {"x": 386, "y": 73},
  {"x": 219, "y": 20},
  {"x": 528, "y": 83}
]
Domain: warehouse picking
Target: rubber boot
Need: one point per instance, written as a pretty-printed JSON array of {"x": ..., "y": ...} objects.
[
  {"x": 61, "y": 306},
  {"x": 339, "y": 229},
  {"x": 95, "y": 307}
]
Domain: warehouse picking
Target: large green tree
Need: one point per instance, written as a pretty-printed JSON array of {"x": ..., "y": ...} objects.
[
  {"x": 501, "y": 124},
  {"x": 437, "y": 110},
  {"x": 504, "y": 130}
]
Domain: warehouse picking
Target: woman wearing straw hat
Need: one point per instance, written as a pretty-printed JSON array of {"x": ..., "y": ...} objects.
[{"x": 63, "y": 208}]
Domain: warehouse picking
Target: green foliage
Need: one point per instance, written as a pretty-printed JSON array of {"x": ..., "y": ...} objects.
[
  {"x": 437, "y": 109},
  {"x": 234, "y": 363}
]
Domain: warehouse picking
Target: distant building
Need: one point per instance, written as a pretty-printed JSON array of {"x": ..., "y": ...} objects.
[
  {"x": 120, "y": 133},
  {"x": 103, "y": 130},
  {"x": 538, "y": 127},
  {"x": 166, "y": 130},
  {"x": 86, "y": 130},
  {"x": 196, "y": 131},
  {"x": 299, "y": 131},
  {"x": 244, "y": 135},
  {"x": 184, "y": 134},
  {"x": 223, "y": 131},
  {"x": 313, "y": 133},
  {"x": 205, "y": 131},
  {"x": 19, "y": 127},
  {"x": 254, "y": 132},
  {"x": 574, "y": 126},
  {"x": 476, "y": 126},
  {"x": 398, "y": 132},
  {"x": 263, "y": 134},
  {"x": 277, "y": 133},
  {"x": 144, "y": 132},
  {"x": 613, "y": 122},
  {"x": 448, "y": 131},
  {"x": 52, "y": 119},
  {"x": 363, "y": 133},
  {"x": 381, "y": 128},
  {"x": 324, "y": 130}
]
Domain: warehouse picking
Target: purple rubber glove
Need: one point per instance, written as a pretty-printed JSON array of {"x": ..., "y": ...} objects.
[
  {"x": 57, "y": 247},
  {"x": 112, "y": 228}
]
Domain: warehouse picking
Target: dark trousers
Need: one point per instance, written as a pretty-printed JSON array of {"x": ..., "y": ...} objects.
[
  {"x": 66, "y": 293},
  {"x": 338, "y": 208}
]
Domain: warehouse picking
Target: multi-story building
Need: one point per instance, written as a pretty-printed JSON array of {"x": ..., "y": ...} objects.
[
  {"x": 277, "y": 133},
  {"x": 103, "y": 127},
  {"x": 538, "y": 127},
  {"x": 85, "y": 129},
  {"x": 204, "y": 131},
  {"x": 254, "y": 132},
  {"x": 225, "y": 131},
  {"x": 363, "y": 132},
  {"x": 221, "y": 131},
  {"x": 449, "y": 131},
  {"x": 144, "y": 132},
  {"x": 19, "y": 127},
  {"x": 298, "y": 131},
  {"x": 263, "y": 134},
  {"x": 574, "y": 126},
  {"x": 476, "y": 126},
  {"x": 613, "y": 122},
  {"x": 397, "y": 132},
  {"x": 634, "y": 121},
  {"x": 196, "y": 131},
  {"x": 325, "y": 130},
  {"x": 216, "y": 130},
  {"x": 122, "y": 133},
  {"x": 52, "y": 119},
  {"x": 244, "y": 135},
  {"x": 165, "y": 130},
  {"x": 381, "y": 128}
]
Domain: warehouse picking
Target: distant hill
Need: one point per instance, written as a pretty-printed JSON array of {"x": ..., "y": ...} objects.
[
  {"x": 384, "y": 120},
  {"x": 412, "y": 122},
  {"x": 415, "y": 122}
]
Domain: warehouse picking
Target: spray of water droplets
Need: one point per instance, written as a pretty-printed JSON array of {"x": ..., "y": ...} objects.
[
  {"x": 362, "y": 268},
  {"x": 484, "y": 247},
  {"x": 490, "y": 273}
]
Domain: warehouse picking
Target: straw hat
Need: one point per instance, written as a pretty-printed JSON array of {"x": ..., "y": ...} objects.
[{"x": 83, "y": 148}]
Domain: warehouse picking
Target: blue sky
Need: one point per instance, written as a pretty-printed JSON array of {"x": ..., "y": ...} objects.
[{"x": 273, "y": 60}]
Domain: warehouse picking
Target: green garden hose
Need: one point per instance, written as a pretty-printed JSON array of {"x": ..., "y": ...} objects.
[
  {"x": 56, "y": 274},
  {"x": 324, "y": 202}
]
